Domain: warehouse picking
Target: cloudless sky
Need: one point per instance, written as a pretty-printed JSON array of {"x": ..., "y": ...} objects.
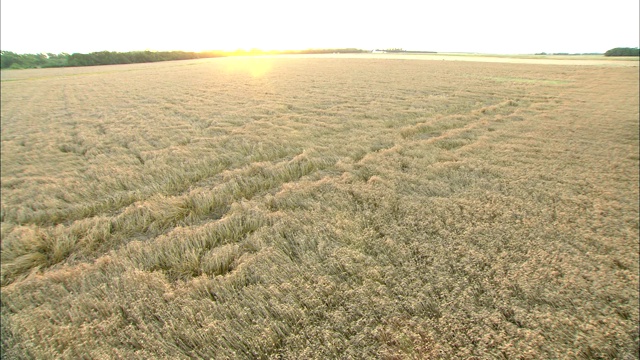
[{"x": 489, "y": 26}]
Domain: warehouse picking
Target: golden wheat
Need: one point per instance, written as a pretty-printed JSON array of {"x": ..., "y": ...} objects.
[{"x": 320, "y": 207}]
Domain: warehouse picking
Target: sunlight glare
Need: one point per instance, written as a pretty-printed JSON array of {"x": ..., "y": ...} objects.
[{"x": 254, "y": 66}]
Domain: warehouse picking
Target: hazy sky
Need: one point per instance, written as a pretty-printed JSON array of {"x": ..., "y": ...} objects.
[{"x": 489, "y": 26}]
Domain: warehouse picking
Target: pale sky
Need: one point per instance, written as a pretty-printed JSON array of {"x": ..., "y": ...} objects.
[{"x": 489, "y": 26}]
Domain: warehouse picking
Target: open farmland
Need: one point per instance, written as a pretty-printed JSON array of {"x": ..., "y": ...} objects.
[{"x": 320, "y": 207}]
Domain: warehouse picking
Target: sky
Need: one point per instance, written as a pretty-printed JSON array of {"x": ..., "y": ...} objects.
[{"x": 488, "y": 26}]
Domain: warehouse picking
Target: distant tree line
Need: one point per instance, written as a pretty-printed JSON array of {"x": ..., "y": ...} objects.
[
  {"x": 623, "y": 52},
  {"x": 562, "y": 53},
  {"x": 11, "y": 60},
  {"x": 134, "y": 57}
]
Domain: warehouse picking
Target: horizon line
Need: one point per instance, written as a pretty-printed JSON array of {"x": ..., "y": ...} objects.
[{"x": 259, "y": 50}]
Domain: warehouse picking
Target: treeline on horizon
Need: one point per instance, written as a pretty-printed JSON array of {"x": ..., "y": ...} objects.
[
  {"x": 11, "y": 60},
  {"x": 612, "y": 52},
  {"x": 564, "y": 53},
  {"x": 623, "y": 52}
]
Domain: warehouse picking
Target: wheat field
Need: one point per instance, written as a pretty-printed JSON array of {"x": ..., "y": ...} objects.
[{"x": 320, "y": 207}]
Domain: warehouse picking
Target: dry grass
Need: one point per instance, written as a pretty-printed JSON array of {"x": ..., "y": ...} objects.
[{"x": 320, "y": 208}]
